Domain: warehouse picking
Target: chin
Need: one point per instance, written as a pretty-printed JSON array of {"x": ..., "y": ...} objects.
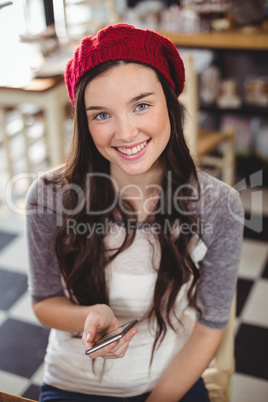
[{"x": 136, "y": 172}]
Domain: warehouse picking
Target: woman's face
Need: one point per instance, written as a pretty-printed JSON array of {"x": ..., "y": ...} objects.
[{"x": 128, "y": 117}]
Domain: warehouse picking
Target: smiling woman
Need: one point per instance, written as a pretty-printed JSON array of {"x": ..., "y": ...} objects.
[
  {"x": 132, "y": 127},
  {"x": 128, "y": 229}
]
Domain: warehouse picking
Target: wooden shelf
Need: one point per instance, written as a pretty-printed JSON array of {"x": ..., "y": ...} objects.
[
  {"x": 215, "y": 40},
  {"x": 245, "y": 109}
]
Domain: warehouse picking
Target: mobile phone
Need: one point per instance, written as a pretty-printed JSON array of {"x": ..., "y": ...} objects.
[{"x": 112, "y": 336}]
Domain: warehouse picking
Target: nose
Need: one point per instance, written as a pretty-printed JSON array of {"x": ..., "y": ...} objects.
[{"x": 126, "y": 129}]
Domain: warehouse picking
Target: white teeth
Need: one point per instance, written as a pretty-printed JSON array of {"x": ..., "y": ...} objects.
[{"x": 132, "y": 151}]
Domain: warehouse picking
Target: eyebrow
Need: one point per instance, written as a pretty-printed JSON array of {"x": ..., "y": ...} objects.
[{"x": 135, "y": 99}]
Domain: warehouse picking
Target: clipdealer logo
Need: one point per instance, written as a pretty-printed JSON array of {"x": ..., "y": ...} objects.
[{"x": 255, "y": 221}]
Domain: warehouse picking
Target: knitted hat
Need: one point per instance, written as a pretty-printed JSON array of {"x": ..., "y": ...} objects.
[{"x": 125, "y": 42}]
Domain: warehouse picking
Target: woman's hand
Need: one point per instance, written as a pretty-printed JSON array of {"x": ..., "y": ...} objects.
[{"x": 100, "y": 321}]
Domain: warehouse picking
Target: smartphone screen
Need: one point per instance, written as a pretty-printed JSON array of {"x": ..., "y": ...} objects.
[{"x": 112, "y": 336}]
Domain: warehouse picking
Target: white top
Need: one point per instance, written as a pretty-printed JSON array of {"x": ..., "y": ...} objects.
[{"x": 67, "y": 366}]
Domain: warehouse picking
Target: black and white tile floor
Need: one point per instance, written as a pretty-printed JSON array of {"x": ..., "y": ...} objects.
[{"x": 23, "y": 340}]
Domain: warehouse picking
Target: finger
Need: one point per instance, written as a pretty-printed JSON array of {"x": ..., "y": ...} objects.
[
  {"x": 112, "y": 351},
  {"x": 88, "y": 339},
  {"x": 93, "y": 327},
  {"x": 93, "y": 323},
  {"x": 102, "y": 351},
  {"x": 96, "y": 325},
  {"x": 117, "y": 352},
  {"x": 125, "y": 340},
  {"x": 129, "y": 335},
  {"x": 84, "y": 340},
  {"x": 121, "y": 347}
]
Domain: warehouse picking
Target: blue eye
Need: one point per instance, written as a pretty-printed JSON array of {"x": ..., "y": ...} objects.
[
  {"x": 142, "y": 106},
  {"x": 101, "y": 116}
]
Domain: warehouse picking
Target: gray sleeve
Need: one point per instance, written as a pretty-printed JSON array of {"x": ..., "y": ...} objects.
[
  {"x": 44, "y": 279},
  {"x": 223, "y": 216}
]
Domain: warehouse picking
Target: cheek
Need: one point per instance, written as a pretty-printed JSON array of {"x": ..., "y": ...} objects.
[
  {"x": 99, "y": 134},
  {"x": 161, "y": 125}
]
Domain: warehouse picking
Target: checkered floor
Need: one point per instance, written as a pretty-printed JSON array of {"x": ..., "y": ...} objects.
[{"x": 23, "y": 340}]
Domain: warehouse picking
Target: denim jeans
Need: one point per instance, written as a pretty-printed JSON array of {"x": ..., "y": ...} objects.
[{"x": 198, "y": 393}]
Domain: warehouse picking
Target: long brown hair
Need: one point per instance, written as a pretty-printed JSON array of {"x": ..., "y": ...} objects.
[{"x": 83, "y": 260}]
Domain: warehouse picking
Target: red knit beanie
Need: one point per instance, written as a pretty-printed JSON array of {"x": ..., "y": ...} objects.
[{"x": 125, "y": 42}]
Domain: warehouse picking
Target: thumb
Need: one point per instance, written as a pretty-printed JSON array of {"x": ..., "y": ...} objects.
[
  {"x": 90, "y": 334},
  {"x": 92, "y": 324},
  {"x": 89, "y": 337}
]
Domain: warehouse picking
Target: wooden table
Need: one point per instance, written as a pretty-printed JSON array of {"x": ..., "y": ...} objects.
[
  {"x": 4, "y": 397},
  {"x": 50, "y": 95}
]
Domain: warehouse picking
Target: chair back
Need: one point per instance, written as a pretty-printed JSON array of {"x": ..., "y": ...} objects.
[
  {"x": 189, "y": 100},
  {"x": 218, "y": 377},
  {"x": 209, "y": 148}
]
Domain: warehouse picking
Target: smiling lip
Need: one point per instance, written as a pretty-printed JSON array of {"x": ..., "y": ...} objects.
[{"x": 133, "y": 152}]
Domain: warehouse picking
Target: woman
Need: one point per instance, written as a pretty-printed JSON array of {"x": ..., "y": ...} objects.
[{"x": 127, "y": 229}]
